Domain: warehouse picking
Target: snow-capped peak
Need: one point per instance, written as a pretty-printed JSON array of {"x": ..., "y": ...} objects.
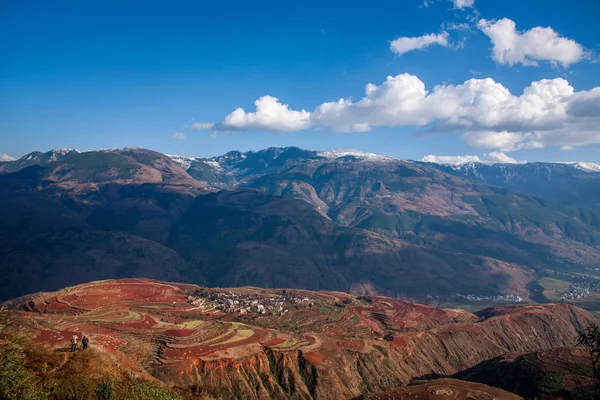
[
  {"x": 6, "y": 157},
  {"x": 57, "y": 154},
  {"x": 185, "y": 162},
  {"x": 584, "y": 166},
  {"x": 332, "y": 154}
]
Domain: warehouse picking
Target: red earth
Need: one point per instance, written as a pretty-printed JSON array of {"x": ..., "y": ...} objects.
[
  {"x": 157, "y": 326},
  {"x": 129, "y": 315}
]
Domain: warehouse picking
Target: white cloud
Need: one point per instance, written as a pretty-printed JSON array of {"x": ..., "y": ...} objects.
[
  {"x": 203, "y": 125},
  {"x": 503, "y": 141},
  {"x": 450, "y": 160},
  {"x": 528, "y": 47},
  {"x": 405, "y": 44},
  {"x": 6, "y": 157},
  {"x": 548, "y": 113},
  {"x": 270, "y": 115},
  {"x": 178, "y": 135},
  {"x": 490, "y": 158},
  {"x": 460, "y": 4},
  {"x": 213, "y": 135},
  {"x": 456, "y": 26},
  {"x": 567, "y": 148},
  {"x": 499, "y": 157}
]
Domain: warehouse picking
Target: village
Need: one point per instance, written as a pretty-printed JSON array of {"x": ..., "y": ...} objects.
[
  {"x": 237, "y": 303},
  {"x": 510, "y": 298},
  {"x": 582, "y": 288}
]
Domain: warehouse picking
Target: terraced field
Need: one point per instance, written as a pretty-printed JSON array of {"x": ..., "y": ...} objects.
[
  {"x": 276, "y": 341},
  {"x": 157, "y": 320}
]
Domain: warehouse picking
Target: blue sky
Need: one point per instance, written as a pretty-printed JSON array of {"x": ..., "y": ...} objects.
[{"x": 104, "y": 74}]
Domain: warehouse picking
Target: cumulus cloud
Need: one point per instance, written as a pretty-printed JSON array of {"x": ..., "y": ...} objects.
[
  {"x": 460, "y": 4},
  {"x": 499, "y": 157},
  {"x": 203, "y": 125},
  {"x": 178, "y": 135},
  {"x": 405, "y": 44},
  {"x": 490, "y": 158},
  {"x": 450, "y": 160},
  {"x": 6, "y": 157},
  {"x": 503, "y": 141},
  {"x": 528, "y": 47},
  {"x": 547, "y": 113},
  {"x": 270, "y": 115}
]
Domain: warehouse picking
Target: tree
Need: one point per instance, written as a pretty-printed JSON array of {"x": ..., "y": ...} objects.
[{"x": 590, "y": 339}]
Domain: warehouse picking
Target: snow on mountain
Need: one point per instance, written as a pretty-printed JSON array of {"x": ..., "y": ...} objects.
[
  {"x": 215, "y": 164},
  {"x": 57, "y": 154},
  {"x": 332, "y": 154},
  {"x": 584, "y": 166},
  {"x": 185, "y": 162},
  {"x": 6, "y": 157}
]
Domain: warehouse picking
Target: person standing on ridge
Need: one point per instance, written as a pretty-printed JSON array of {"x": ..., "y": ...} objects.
[
  {"x": 74, "y": 342},
  {"x": 84, "y": 342}
]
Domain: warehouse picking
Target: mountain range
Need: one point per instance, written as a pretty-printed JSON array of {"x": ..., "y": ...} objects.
[{"x": 288, "y": 217}]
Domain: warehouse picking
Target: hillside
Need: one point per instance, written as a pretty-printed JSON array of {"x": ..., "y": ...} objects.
[
  {"x": 443, "y": 388},
  {"x": 346, "y": 221},
  {"x": 544, "y": 374},
  {"x": 273, "y": 343}
]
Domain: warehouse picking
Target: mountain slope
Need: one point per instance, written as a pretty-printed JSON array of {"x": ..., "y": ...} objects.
[
  {"x": 331, "y": 220},
  {"x": 544, "y": 374},
  {"x": 424, "y": 205},
  {"x": 247, "y": 238},
  {"x": 325, "y": 345},
  {"x": 570, "y": 183},
  {"x": 36, "y": 158},
  {"x": 45, "y": 243}
]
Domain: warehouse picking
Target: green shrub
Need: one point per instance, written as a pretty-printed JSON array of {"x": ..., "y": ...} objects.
[
  {"x": 146, "y": 391},
  {"x": 105, "y": 390}
]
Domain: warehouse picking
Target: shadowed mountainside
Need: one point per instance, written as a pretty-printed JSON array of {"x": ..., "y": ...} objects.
[{"x": 558, "y": 373}]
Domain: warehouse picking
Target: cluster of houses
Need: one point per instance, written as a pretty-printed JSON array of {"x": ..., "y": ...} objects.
[
  {"x": 199, "y": 302},
  {"x": 249, "y": 303},
  {"x": 509, "y": 298},
  {"x": 582, "y": 288}
]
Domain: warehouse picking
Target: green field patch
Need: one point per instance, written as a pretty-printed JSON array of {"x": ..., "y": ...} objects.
[
  {"x": 215, "y": 340},
  {"x": 192, "y": 324},
  {"x": 287, "y": 344},
  {"x": 240, "y": 334},
  {"x": 101, "y": 316},
  {"x": 324, "y": 308},
  {"x": 553, "y": 288}
]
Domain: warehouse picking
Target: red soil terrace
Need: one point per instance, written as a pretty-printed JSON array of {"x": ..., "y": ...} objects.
[
  {"x": 157, "y": 326},
  {"x": 137, "y": 316}
]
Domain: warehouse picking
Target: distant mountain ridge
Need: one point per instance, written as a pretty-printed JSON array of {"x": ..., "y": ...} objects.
[
  {"x": 36, "y": 158},
  {"x": 337, "y": 220}
]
